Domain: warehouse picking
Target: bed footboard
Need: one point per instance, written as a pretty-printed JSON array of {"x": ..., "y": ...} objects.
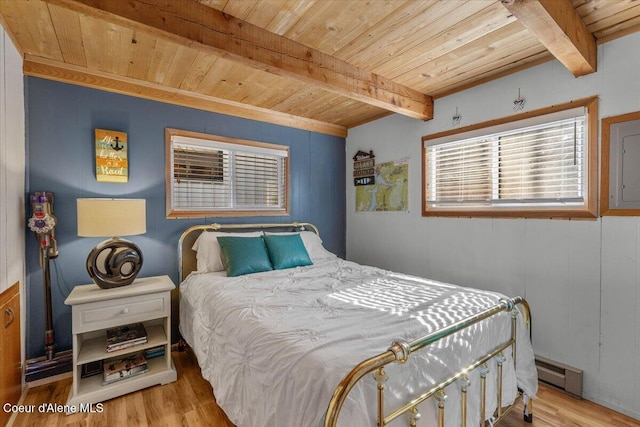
[{"x": 399, "y": 352}]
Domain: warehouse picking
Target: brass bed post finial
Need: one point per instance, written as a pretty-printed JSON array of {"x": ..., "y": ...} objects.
[
  {"x": 401, "y": 350},
  {"x": 413, "y": 416},
  {"x": 509, "y": 303}
]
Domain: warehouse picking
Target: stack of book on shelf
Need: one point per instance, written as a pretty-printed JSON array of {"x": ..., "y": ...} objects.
[
  {"x": 125, "y": 336},
  {"x": 90, "y": 369},
  {"x": 154, "y": 352},
  {"x": 120, "y": 369}
]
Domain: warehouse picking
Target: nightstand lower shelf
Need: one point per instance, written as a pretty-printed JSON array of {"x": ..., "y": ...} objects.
[
  {"x": 91, "y": 390},
  {"x": 93, "y": 349}
]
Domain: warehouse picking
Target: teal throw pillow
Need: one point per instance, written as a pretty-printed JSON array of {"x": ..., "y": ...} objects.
[
  {"x": 244, "y": 255},
  {"x": 286, "y": 251}
]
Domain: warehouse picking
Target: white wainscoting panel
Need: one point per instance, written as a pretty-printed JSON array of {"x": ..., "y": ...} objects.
[{"x": 619, "y": 360}]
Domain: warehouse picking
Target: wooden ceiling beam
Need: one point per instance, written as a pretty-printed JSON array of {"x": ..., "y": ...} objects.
[
  {"x": 67, "y": 73},
  {"x": 195, "y": 25},
  {"x": 557, "y": 25}
]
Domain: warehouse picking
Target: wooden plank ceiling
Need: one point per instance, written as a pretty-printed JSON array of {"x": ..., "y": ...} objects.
[{"x": 322, "y": 65}]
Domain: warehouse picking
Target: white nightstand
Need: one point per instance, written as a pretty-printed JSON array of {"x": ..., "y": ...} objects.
[{"x": 146, "y": 300}]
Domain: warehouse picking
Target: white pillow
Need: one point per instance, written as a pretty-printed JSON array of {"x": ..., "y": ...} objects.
[
  {"x": 208, "y": 255},
  {"x": 313, "y": 245}
]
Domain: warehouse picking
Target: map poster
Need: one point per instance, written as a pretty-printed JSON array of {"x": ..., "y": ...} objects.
[
  {"x": 111, "y": 156},
  {"x": 390, "y": 192}
]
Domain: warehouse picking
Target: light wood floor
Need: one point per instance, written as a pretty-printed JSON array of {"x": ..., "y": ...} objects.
[{"x": 190, "y": 402}]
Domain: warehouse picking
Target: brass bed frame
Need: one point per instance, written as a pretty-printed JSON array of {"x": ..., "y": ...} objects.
[{"x": 399, "y": 352}]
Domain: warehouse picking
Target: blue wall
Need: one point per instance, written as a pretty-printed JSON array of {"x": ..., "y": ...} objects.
[{"x": 61, "y": 119}]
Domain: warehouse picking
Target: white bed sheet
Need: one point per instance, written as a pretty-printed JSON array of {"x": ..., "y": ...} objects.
[{"x": 274, "y": 345}]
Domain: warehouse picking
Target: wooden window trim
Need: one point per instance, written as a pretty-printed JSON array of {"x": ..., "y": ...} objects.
[
  {"x": 605, "y": 166},
  {"x": 590, "y": 209},
  {"x": 174, "y": 214}
]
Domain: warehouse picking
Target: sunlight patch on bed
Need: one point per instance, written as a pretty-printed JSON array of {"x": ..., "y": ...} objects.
[{"x": 386, "y": 295}]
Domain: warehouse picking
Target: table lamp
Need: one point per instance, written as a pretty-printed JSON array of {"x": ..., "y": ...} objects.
[{"x": 114, "y": 262}]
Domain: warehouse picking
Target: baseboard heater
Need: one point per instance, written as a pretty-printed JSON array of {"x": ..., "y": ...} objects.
[{"x": 562, "y": 376}]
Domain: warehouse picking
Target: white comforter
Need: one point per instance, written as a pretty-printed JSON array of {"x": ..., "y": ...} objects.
[{"x": 275, "y": 345}]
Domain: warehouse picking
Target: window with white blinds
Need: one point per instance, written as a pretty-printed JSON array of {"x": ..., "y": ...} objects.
[
  {"x": 536, "y": 163},
  {"x": 216, "y": 176}
]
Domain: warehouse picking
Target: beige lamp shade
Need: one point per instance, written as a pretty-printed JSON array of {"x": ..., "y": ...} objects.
[{"x": 111, "y": 217}]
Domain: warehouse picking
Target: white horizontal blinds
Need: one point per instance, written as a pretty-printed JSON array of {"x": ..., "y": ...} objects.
[
  {"x": 201, "y": 177},
  {"x": 259, "y": 182},
  {"x": 196, "y": 164},
  {"x": 211, "y": 175},
  {"x": 461, "y": 171},
  {"x": 543, "y": 164}
]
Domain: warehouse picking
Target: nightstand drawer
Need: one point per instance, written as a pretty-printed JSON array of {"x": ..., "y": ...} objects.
[{"x": 101, "y": 315}]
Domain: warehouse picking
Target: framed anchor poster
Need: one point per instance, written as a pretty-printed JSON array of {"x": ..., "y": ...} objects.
[{"x": 111, "y": 156}]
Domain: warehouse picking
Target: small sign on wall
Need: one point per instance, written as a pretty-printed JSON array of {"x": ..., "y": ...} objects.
[
  {"x": 111, "y": 156},
  {"x": 364, "y": 168}
]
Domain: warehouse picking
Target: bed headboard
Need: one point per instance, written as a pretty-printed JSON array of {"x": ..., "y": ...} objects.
[{"x": 187, "y": 256}]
